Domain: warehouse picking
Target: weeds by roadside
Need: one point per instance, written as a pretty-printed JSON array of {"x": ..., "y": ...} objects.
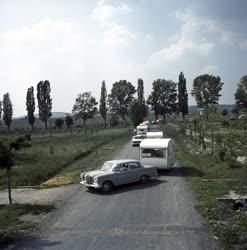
[
  {"x": 210, "y": 178},
  {"x": 12, "y": 227}
]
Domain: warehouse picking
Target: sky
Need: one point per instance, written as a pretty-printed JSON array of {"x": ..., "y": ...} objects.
[{"x": 76, "y": 44}]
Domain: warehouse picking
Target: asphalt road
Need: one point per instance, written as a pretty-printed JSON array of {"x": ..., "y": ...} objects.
[{"x": 157, "y": 215}]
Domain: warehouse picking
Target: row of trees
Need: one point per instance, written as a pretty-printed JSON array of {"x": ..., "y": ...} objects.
[
  {"x": 164, "y": 100},
  {"x": 44, "y": 105},
  {"x": 166, "y": 97}
]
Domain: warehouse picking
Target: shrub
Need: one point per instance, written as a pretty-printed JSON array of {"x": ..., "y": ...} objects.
[
  {"x": 59, "y": 123},
  {"x": 224, "y": 112},
  {"x": 114, "y": 120},
  {"x": 28, "y": 137},
  {"x": 225, "y": 123},
  {"x": 19, "y": 142}
]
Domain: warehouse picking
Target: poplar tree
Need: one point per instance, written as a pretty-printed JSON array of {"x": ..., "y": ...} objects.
[
  {"x": 182, "y": 96},
  {"x": 7, "y": 110},
  {"x": 142, "y": 110},
  {"x": 30, "y": 106},
  {"x": 44, "y": 101},
  {"x": 103, "y": 100}
]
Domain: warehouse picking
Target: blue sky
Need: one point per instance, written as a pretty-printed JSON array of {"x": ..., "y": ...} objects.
[{"x": 77, "y": 44}]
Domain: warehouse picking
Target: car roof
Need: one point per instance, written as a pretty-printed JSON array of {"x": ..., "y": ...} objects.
[{"x": 122, "y": 161}]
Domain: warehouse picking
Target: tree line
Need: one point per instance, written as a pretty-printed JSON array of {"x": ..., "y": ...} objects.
[{"x": 167, "y": 97}]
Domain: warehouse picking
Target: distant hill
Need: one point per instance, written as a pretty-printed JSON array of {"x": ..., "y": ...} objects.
[
  {"x": 220, "y": 107},
  {"x": 54, "y": 115}
]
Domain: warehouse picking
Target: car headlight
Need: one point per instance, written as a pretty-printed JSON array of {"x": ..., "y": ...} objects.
[
  {"x": 95, "y": 179},
  {"x": 82, "y": 176}
]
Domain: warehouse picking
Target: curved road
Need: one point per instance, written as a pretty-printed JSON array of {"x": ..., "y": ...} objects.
[{"x": 157, "y": 215}]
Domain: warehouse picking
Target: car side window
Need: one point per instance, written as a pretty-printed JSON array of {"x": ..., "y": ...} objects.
[
  {"x": 133, "y": 165},
  {"x": 123, "y": 167}
]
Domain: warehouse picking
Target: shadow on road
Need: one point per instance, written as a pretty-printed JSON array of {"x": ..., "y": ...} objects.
[
  {"x": 181, "y": 172},
  {"x": 35, "y": 242},
  {"x": 130, "y": 187}
]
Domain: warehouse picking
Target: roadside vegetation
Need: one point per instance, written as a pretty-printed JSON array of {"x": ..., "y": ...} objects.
[
  {"x": 211, "y": 174},
  {"x": 12, "y": 227}
]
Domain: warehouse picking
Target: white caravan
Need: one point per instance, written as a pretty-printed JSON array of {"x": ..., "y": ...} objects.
[
  {"x": 158, "y": 153},
  {"x": 158, "y": 134},
  {"x": 142, "y": 130}
]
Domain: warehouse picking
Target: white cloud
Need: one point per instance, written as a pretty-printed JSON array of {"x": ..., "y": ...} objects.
[
  {"x": 188, "y": 41},
  {"x": 104, "y": 13},
  {"x": 47, "y": 49},
  {"x": 113, "y": 33}
]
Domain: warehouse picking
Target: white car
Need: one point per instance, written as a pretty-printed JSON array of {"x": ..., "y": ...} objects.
[
  {"x": 117, "y": 172},
  {"x": 136, "y": 140}
]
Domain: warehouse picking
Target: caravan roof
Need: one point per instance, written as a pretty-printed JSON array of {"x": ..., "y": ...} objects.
[
  {"x": 142, "y": 127},
  {"x": 157, "y": 134},
  {"x": 155, "y": 143}
]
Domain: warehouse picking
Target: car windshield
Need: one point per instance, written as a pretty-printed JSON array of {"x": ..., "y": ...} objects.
[{"x": 107, "y": 166}]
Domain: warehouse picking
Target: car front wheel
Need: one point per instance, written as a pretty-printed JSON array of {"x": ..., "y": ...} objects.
[
  {"x": 107, "y": 186},
  {"x": 144, "y": 179}
]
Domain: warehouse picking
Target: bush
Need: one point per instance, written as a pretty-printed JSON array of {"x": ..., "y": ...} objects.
[
  {"x": 224, "y": 112},
  {"x": 222, "y": 154},
  {"x": 19, "y": 142},
  {"x": 225, "y": 123},
  {"x": 114, "y": 120},
  {"x": 28, "y": 137},
  {"x": 59, "y": 123}
]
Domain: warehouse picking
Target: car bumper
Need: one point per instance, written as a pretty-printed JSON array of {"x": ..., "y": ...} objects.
[{"x": 93, "y": 185}]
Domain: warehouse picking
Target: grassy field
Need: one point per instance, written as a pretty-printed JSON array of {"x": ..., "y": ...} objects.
[
  {"x": 210, "y": 178},
  {"x": 48, "y": 156}
]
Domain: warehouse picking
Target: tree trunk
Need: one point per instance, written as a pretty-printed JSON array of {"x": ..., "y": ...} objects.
[
  {"x": 164, "y": 118},
  {"x": 84, "y": 126},
  {"x": 50, "y": 129},
  {"x": 123, "y": 119},
  {"x": 156, "y": 116},
  {"x": 45, "y": 124},
  {"x": 9, "y": 186},
  {"x": 8, "y": 128},
  {"x": 183, "y": 116},
  {"x": 32, "y": 126},
  {"x": 105, "y": 122}
]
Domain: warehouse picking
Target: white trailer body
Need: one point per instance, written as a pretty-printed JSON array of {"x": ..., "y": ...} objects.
[
  {"x": 155, "y": 135},
  {"x": 158, "y": 153}
]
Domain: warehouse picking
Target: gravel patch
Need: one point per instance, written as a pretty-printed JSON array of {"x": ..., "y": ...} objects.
[{"x": 39, "y": 196}]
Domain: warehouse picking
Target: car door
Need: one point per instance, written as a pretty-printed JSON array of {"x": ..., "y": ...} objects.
[
  {"x": 123, "y": 175},
  {"x": 135, "y": 171}
]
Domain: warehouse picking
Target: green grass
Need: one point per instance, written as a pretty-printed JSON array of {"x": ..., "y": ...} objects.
[
  {"x": 12, "y": 227},
  {"x": 94, "y": 160},
  {"x": 210, "y": 178},
  {"x": 48, "y": 156}
]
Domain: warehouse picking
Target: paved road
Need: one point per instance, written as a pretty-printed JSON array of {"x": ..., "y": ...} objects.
[{"x": 158, "y": 215}]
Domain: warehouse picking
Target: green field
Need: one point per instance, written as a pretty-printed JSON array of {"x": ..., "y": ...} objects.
[{"x": 48, "y": 156}]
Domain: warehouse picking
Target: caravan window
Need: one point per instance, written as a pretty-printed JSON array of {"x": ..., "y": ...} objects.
[{"x": 153, "y": 153}]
